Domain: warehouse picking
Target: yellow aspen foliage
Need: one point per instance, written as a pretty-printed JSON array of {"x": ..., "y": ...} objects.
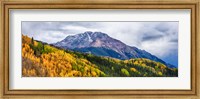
[
  {"x": 35, "y": 43},
  {"x": 26, "y": 39},
  {"x": 160, "y": 73},
  {"x": 24, "y": 71},
  {"x": 94, "y": 74},
  {"x": 53, "y": 62},
  {"x": 133, "y": 69},
  {"x": 126, "y": 61},
  {"x": 50, "y": 61},
  {"x": 136, "y": 62}
]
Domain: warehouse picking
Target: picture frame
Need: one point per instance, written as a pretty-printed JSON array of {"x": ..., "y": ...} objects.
[{"x": 7, "y": 6}]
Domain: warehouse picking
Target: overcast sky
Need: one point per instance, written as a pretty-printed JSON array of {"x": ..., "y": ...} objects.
[{"x": 158, "y": 38}]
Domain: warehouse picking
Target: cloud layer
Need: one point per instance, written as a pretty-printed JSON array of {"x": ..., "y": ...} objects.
[{"x": 158, "y": 38}]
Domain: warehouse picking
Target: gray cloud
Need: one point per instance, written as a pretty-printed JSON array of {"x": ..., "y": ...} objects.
[
  {"x": 162, "y": 27},
  {"x": 147, "y": 38},
  {"x": 174, "y": 40},
  {"x": 158, "y": 38}
]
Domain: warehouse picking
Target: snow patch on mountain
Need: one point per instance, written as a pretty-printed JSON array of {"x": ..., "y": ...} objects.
[{"x": 89, "y": 38}]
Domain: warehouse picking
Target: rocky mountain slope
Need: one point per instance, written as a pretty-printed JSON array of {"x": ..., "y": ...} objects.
[{"x": 101, "y": 44}]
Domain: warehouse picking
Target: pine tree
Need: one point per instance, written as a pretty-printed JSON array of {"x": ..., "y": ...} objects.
[{"x": 32, "y": 41}]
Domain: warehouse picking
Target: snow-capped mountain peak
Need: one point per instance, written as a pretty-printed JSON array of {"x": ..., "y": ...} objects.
[{"x": 101, "y": 44}]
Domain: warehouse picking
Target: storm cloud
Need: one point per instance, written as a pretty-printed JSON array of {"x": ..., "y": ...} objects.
[{"x": 158, "y": 38}]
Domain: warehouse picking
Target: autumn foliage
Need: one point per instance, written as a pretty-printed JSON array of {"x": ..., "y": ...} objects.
[{"x": 43, "y": 60}]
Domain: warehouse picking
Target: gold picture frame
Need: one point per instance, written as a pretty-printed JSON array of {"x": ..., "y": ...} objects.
[{"x": 193, "y": 5}]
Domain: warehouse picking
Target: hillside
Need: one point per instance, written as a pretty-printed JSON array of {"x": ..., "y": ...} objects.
[
  {"x": 101, "y": 44},
  {"x": 43, "y": 60}
]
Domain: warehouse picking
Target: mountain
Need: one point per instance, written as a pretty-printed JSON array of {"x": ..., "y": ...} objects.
[
  {"x": 40, "y": 59},
  {"x": 101, "y": 44}
]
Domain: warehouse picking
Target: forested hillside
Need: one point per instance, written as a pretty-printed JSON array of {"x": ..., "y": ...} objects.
[{"x": 43, "y": 60}]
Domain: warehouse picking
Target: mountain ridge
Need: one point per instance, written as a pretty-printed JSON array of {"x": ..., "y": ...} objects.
[{"x": 90, "y": 42}]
